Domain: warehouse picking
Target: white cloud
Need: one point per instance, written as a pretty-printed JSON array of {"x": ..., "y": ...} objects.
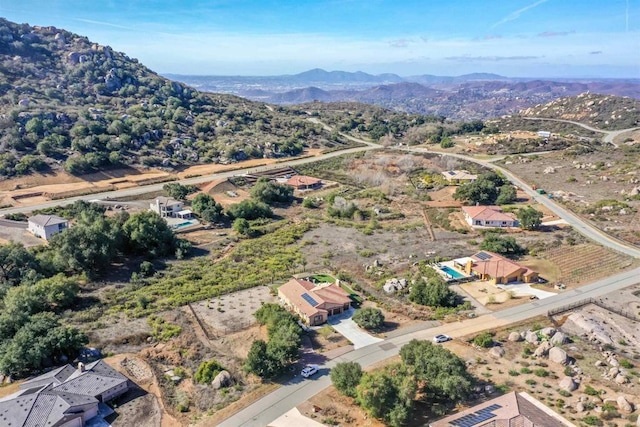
[{"x": 515, "y": 15}]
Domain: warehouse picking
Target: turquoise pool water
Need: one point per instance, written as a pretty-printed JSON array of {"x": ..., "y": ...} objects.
[
  {"x": 451, "y": 272},
  {"x": 183, "y": 224}
]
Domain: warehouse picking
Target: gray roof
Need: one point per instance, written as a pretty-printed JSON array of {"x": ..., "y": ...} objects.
[
  {"x": 45, "y": 220},
  {"x": 54, "y": 398},
  {"x": 168, "y": 201}
]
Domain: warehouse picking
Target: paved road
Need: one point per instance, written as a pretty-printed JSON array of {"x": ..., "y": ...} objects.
[
  {"x": 609, "y": 135},
  {"x": 298, "y": 390},
  {"x": 135, "y": 191}
]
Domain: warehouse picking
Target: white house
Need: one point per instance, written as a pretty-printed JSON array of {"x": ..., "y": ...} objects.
[
  {"x": 459, "y": 176},
  {"x": 166, "y": 207},
  {"x": 488, "y": 216},
  {"x": 45, "y": 226}
]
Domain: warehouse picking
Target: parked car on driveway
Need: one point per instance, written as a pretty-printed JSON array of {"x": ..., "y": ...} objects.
[
  {"x": 309, "y": 371},
  {"x": 441, "y": 338}
]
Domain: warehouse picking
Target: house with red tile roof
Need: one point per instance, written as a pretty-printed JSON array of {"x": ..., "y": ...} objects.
[
  {"x": 314, "y": 303},
  {"x": 488, "y": 216},
  {"x": 493, "y": 267},
  {"x": 302, "y": 182}
]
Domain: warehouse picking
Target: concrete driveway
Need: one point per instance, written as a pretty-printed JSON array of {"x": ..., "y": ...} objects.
[
  {"x": 524, "y": 289},
  {"x": 348, "y": 328}
]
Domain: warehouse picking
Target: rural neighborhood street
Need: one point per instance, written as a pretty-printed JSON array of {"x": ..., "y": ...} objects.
[{"x": 609, "y": 135}]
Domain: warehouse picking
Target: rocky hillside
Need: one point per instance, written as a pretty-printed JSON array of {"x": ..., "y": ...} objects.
[
  {"x": 68, "y": 102},
  {"x": 600, "y": 111}
]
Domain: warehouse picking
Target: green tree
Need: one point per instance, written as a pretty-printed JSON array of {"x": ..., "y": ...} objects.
[
  {"x": 207, "y": 208},
  {"x": 258, "y": 361},
  {"x": 249, "y": 210},
  {"x": 443, "y": 377},
  {"x": 207, "y": 371},
  {"x": 346, "y": 376},
  {"x": 529, "y": 218},
  {"x": 179, "y": 191},
  {"x": 506, "y": 245},
  {"x": 369, "y": 318},
  {"x": 433, "y": 292},
  {"x": 148, "y": 234},
  {"x": 482, "y": 191},
  {"x": 484, "y": 340},
  {"x": 387, "y": 394},
  {"x": 42, "y": 340},
  {"x": 15, "y": 263},
  {"x": 269, "y": 192},
  {"x": 507, "y": 195}
]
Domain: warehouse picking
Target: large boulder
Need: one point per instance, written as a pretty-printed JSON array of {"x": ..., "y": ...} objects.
[
  {"x": 621, "y": 379},
  {"x": 559, "y": 338},
  {"x": 223, "y": 379},
  {"x": 542, "y": 349},
  {"x": 496, "y": 352},
  {"x": 580, "y": 407},
  {"x": 613, "y": 372},
  {"x": 515, "y": 337},
  {"x": 558, "y": 355},
  {"x": 532, "y": 337},
  {"x": 624, "y": 405},
  {"x": 568, "y": 384}
]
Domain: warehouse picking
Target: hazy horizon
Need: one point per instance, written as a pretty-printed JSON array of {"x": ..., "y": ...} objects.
[{"x": 515, "y": 38}]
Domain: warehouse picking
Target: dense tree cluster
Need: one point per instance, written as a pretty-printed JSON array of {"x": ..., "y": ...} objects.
[
  {"x": 427, "y": 373},
  {"x": 269, "y": 359},
  {"x": 504, "y": 245},
  {"x": 489, "y": 189},
  {"x": 110, "y": 111},
  {"x": 269, "y": 192},
  {"x": 430, "y": 289},
  {"x": 207, "y": 208},
  {"x": 36, "y": 285}
]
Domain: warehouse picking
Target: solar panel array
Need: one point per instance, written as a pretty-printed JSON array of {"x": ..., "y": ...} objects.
[
  {"x": 308, "y": 298},
  {"x": 477, "y": 417},
  {"x": 483, "y": 256},
  {"x": 452, "y": 173}
]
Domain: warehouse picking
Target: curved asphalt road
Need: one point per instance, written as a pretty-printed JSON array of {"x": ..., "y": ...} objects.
[{"x": 609, "y": 135}]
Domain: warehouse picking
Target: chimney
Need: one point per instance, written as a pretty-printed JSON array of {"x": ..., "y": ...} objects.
[{"x": 80, "y": 367}]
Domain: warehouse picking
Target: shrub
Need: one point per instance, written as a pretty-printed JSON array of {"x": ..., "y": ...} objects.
[
  {"x": 625, "y": 363},
  {"x": 484, "y": 340},
  {"x": 525, "y": 370},
  {"x": 592, "y": 420},
  {"x": 542, "y": 373},
  {"x": 531, "y": 382},
  {"x": 513, "y": 373},
  {"x": 163, "y": 330},
  {"x": 591, "y": 391},
  {"x": 369, "y": 318},
  {"x": 207, "y": 371}
]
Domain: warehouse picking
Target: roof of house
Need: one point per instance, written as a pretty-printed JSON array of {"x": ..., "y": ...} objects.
[
  {"x": 302, "y": 181},
  {"x": 310, "y": 298},
  {"x": 459, "y": 175},
  {"x": 58, "y": 396},
  {"x": 487, "y": 213},
  {"x": 511, "y": 409},
  {"x": 43, "y": 407},
  {"x": 167, "y": 201},
  {"x": 45, "y": 220},
  {"x": 494, "y": 265}
]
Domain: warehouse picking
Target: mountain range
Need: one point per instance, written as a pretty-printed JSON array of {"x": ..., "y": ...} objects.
[{"x": 465, "y": 97}]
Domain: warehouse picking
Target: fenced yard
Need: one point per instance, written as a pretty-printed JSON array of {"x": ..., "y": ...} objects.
[{"x": 231, "y": 312}]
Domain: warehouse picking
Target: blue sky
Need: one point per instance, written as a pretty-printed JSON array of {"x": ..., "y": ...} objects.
[{"x": 531, "y": 38}]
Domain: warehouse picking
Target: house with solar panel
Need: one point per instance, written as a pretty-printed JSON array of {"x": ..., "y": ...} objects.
[
  {"x": 64, "y": 397},
  {"x": 459, "y": 176},
  {"x": 511, "y": 409},
  {"x": 314, "y": 303}
]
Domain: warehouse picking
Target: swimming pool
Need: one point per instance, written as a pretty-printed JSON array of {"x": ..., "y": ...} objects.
[
  {"x": 183, "y": 224},
  {"x": 451, "y": 272}
]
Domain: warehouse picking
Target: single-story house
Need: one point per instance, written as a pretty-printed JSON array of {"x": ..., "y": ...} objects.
[
  {"x": 459, "y": 176},
  {"x": 166, "y": 207},
  {"x": 493, "y": 267},
  {"x": 511, "y": 409},
  {"x": 544, "y": 134},
  {"x": 45, "y": 226},
  {"x": 302, "y": 182},
  {"x": 488, "y": 216},
  {"x": 314, "y": 303},
  {"x": 64, "y": 397}
]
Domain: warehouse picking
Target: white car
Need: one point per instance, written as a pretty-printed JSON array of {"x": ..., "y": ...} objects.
[
  {"x": 441, "y": 338},
  {"x": 309, "y": 371}
]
